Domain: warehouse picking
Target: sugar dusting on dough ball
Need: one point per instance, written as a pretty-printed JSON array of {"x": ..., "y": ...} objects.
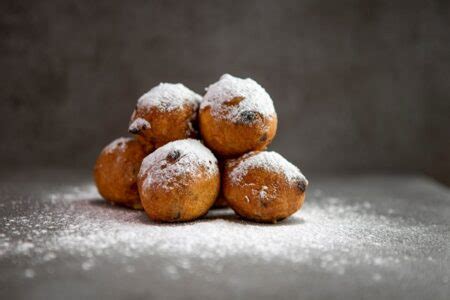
[
  {"x": 169, "y": 97},
  {"x": 166, "y": 113},
  {"x": 231, "y": 97},
  {"x": 237, "y": 116},
  {"x": 267, "y": 160},
  {"x": 263, "y": 186},
  {"x": 179, "y": 181}
]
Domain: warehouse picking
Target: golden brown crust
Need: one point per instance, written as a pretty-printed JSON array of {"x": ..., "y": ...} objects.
[
  {"x": 116, "y": 169},
  {"x": 148, "y": 147},
  {"x": 262, "y": 195},
  {"x": 231, "y": 139},
  {"x": 189, "y": 188},
  {"x": 165, "y": 126},
  {"x": 185, "y": 203}
]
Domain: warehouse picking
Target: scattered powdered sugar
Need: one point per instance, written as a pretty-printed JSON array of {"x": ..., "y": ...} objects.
[
  {"x": 117, "y": 145},
  {"x": 231, "y": 97},
  {"x": 268, "y": 160},
  {"x": 168, "y": 97},
  {"x": 89, "y": 191},
  {"x": 189, "y": 157},
  {"x": 328, "y": 234}
]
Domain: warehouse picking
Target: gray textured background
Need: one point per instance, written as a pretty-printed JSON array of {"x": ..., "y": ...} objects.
[{"x": 358, "y": 85}]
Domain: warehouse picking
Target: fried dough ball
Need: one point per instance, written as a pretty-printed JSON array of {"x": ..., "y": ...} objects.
[
  {"x": 166, "y": 113},
  {"x": 263, "y": 186},
  {"x": 179, "y": 181},
  {"x": 145, "y": 143},
  {"x": 116, "y": 169},
  {"x": 237, "y": 116}
]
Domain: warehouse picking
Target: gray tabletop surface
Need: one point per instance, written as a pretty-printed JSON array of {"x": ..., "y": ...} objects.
[{"x": 357, "y": 237}]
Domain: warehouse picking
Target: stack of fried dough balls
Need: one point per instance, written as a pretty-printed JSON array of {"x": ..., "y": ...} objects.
[{"x": 191, "y": 153}]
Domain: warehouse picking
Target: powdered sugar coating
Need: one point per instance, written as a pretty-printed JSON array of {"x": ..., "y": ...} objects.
[
  {"x": 255, "y": 98},
  {"x": 118, "y": 145},
  {"x": 189, "y": 157},
  {"x": 169, "y": 97},
  {"x": 139, "y": 124},
  {"x": 268, "y": 160}
]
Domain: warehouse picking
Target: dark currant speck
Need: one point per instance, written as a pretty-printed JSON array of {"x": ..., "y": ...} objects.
[
  {"x": 173, "y": 155},
  {"x": 301, "y": 185},
  {"x": 133, "y": 130},
  {"x": 248, "y": 117}
]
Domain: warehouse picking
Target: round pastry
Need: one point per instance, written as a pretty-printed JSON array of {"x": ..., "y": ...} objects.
[
  {"x": 116, "y": 169},
  {"x": 145, "y": 143},
  {"x": 166, "y": 113},
  {"x": 263, "y": 186},
  {"x": 179, "y": 181},
  {"x": 237, "y": 116}
]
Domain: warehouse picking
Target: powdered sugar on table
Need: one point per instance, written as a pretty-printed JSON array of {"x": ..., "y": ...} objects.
[
  {"x": 330, "y": 234},
  {"x": 374, "y": 236}
]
